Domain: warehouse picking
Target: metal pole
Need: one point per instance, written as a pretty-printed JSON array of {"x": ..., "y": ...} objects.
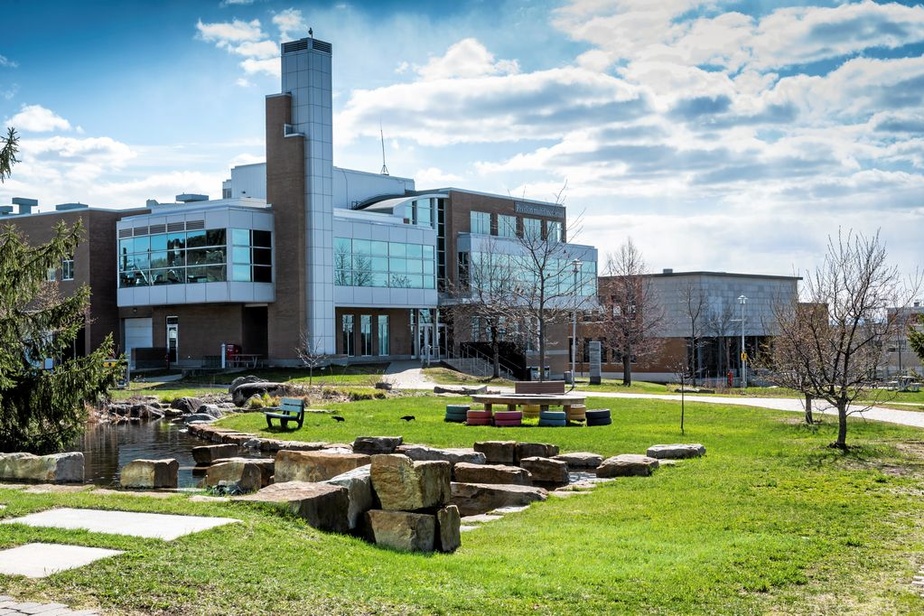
[
  {"x": 742, "y": 300},
  {"x": 575, "y": 267}
]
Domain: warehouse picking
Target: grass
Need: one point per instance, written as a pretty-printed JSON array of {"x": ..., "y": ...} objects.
[{"x": 769, "y": 521}]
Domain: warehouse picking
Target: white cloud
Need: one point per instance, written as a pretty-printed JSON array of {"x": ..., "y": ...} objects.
[
  {"x": 38, "y": 119},
  {"x": 464, "y": 60},
  {"x": 227, "y": 35},
  {"x": 434, "y": 176},
  {"x": 7, "y": 63},
  {"x": 291, "y": 24}
]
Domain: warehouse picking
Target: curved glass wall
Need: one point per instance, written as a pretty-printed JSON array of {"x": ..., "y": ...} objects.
[
  {"x": 371, "y": 263},
  {"x": 195, "y": 256}
]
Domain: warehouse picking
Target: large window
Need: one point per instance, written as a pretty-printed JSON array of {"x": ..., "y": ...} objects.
[
  {"x": 67, "y": 269},
  {"x": 194, "y": 256},
  {"x": 420, "y": 212},
  {"x": 372, "y": 263},
  {"x": 384, "y": 347},
  {"x": 252, "y": 255},
  {"x": 506, "y": 225},
  {"x": 481, "y": 223},
  {"x": 346, "y": 333},
  {"x": 532, "y": 228},
  {"x": 365, "y": 334}
]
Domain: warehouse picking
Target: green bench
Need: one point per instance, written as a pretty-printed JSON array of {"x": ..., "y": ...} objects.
[{"x": 289, "y": 409}]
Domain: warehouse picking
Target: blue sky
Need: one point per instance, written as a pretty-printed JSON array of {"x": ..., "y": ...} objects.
[{"x": 727, "y": 136}]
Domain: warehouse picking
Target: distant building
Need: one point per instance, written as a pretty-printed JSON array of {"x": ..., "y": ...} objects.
[
  {"x": 706, "y": 316},
  {"x": 899, "y": 357}
]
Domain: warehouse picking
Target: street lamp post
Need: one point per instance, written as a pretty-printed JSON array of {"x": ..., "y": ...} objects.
[
  {"x": 575, "y": 268},
  {"x": 742, "y": 300}
]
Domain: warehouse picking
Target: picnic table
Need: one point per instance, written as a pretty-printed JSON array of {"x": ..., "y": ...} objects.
[{"x": 543, "y": 401}]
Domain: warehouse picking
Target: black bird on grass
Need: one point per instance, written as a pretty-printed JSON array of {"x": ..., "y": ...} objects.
[
  {"x": 408, "y": 418},
  {"x": 338, "y": 418}
]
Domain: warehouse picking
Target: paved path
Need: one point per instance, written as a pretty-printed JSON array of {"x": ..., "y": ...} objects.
[
  {"x": 905, "y": 418},
  {"x": 408, "y": 375}
]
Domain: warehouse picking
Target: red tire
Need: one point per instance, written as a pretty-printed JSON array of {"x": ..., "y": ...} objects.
[
  {"x": 508, "y": 415},
  {"x": 507, "y": 423}
]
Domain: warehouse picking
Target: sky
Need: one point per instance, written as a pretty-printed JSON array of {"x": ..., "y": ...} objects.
[{"x": 734, "y": 136}]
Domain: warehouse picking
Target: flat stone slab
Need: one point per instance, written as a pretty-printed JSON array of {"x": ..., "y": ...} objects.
[
  {"x": 147, "y": 525},
  {"x": 37, "y": 560}
]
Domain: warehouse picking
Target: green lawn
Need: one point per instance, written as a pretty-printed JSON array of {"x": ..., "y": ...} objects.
[{"x": 770, "y": 521}]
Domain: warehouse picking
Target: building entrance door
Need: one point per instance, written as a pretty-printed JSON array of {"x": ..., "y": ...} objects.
[{"x": 173, "y": 334}]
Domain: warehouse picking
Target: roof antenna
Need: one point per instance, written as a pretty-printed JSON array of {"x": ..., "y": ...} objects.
[
  {"x": 310, "y": 33},
  {"x": 384, "y": 170}
]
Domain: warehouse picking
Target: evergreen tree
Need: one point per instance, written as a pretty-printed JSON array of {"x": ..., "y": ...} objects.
[{"x": 43, "y": 408}]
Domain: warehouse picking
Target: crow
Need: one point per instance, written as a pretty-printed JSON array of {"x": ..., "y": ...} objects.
[
  {"x": 338, "y": 418},
  {"x": 408, "y": 418}
]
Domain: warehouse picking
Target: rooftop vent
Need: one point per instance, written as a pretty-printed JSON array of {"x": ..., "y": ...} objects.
[
  {"x": 64, "y": 207},
  {"x": 191, "y": 197},
  {"x": 6, "y": 210},
  {"x": 25, "y": 205},
  {"x": 668, "y": 270}
]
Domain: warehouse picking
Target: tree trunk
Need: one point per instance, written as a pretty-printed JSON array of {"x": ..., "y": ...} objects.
[
  {"x": 495, "y": 350},
  {"x": 809, "y": 419},
  {"x": 626, "y": 370},
  {"x": 541, "y": 349},
  {"x": 841, "y": 442}
]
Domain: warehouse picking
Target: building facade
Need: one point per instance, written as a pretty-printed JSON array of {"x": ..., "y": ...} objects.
[
  {"x": 297, "y": 253},
  {"x": 710, "y": 319}
]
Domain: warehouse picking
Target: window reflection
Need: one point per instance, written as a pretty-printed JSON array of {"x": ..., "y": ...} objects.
[{"x": 192, "y": 257}]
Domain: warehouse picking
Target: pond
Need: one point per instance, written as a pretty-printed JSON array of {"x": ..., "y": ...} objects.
[{"x": 107, "y": 447}]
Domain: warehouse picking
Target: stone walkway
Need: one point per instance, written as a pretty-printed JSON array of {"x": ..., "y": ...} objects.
[{"x": 9, "y": 607}]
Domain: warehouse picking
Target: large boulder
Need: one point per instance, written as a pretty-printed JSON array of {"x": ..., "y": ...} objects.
[
  {"x": 150, "y": 474},
  {"x": 546, "y": 471},
  {"x": 358, "y": 483},
  {"x": 404, "y": 485},
  {"x": 580, "y": 460},
  {"x": 421, "y": 453},
  {"x": 402, "y": 530},
  {"x": 372, "y": 445},
  {"x": 186, "y": 405},
  {"x": 207, "y": 454},
  {"x": 491, "y": 473},
  {"x": 267, "y": 467},
  {"x": 236, "y": 476},
  {"x": 498, "y": 452},
  {"x": 315, "y": 465},
  {"x": 627, "y": 465},
  {"x": 449, "y": 529},
  {"x": 478, "y": 498},
  {"x": 676, "y": 451},
  {"x": 324, "y": 506},
  {"x": 535, "y": 450},
  {"x": 53, "y": 468}
]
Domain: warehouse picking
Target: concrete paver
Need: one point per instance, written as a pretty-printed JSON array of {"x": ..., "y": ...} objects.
[
  {"x": 9, "y": 607},
  {"x": 37, "y": 560},
  {"x": 147, "y": 525}
]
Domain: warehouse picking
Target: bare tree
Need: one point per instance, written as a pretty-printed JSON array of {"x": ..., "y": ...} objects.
[
  {"x": 831, "y": 346},
  {"x": 693, "y": 304},
  {"x": 484, "y": 295},
  {"x": 719, "y": 325},
  {"x": 312, "y": 354},
  {"x": 546, "y": 287},
  {"x": 633, "y": 317}
]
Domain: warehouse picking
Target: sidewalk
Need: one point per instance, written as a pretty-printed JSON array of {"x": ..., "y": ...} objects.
[{"x": 407, "y": 375}]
